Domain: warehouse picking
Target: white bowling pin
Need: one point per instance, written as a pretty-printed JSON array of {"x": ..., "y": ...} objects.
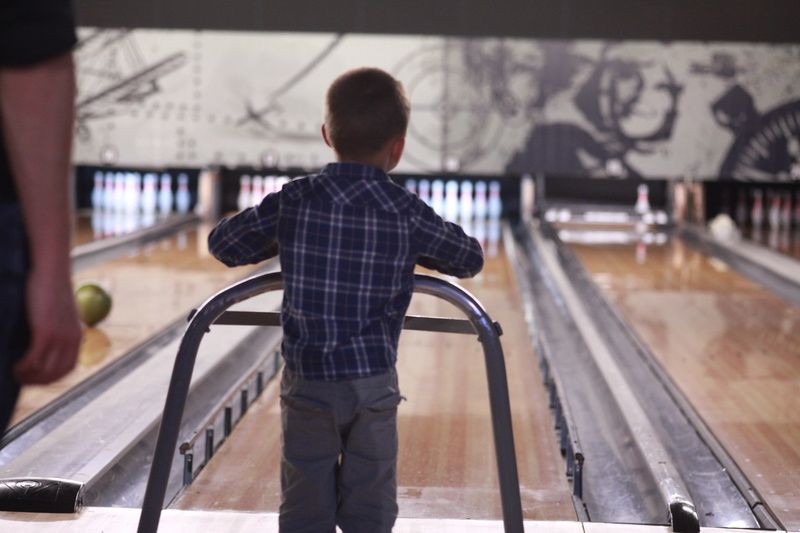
[
  {"x": 280, "y": 181},
  {"x": 424, "y": 188},
  {"x": 243, "y": 199},
  {"x": 411, "y": 186},
  {"x": 451, "y": 200},
  {"x": 465, "y": 202},
  {"x": 495, "y": 202},
  {"x": 437, "y": 196},
  {"x": 741, "y": 209},
  {"x": 108, "y": 191},
  {"x": 479, "y": 231},
  {"x": 149, "y": 193},
  {"x": 165, "y": 194},
  {"x": 774, "y": 214},
  {"x": 119, "y": 192},
  {"x": 97, "y": 191},
  {"x": 757, "y": 212},
  {"x": 270, "y": 184},
  {"x": 786, "y": 210},
  {"x": 797, "y": 210},
  {"x": 131, "y": 193},
  {"x": 183, "y": 198},
  {"x": 642, "y": 199},
  {"x": 480, "y": 207},
  {"x": 257, "y": 191}
]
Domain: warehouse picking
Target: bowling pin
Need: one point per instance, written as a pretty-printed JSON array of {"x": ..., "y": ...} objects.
[
  {"x": 270, "y": 185},
  {"x": 741, "y": 209},
  {"x": 495, "y": 205},
  {"x": 97, "y": 222},
  {"x": 437, "y": 196},
  {"x": 118, "y": 204},
  {"x": 131, "y": 193},
  {"x": 797, "y": 211},
  {"x": 451, "y": 200},
  {"x": 642, "y": 199},
  {"x": 280, "y": 182},
  {"x": 465, "y": 202},
  {"x": 183, "y": 199},
  {"x": 97, "y": 191},
  {"x": 480, "y": 208},
  {"x": 411, "y": 186},
  {"x": 786, "y": 210},
  {"x": 757, "y": 211},
  {"x": 424, "y": 188},
  {"x": 774, "y": 214},
  {"x": 108, "y": 191},
  {"x": 165, "y": 194},
  {"x": 257, "y": 192},
  {"x": 479, "y": 231},
  {"x": 149, "y": 194},
  {"x": 243, "y": 199}
]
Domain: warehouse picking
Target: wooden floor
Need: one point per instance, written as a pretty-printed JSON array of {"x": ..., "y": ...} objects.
[
  {"x": 118, "y": 520},
  {"x": 446, "y": 465},
  {"x": 732, "y": 347},
  {"x": 90, "y": 226},
  {"x": 150, "y": 289}
]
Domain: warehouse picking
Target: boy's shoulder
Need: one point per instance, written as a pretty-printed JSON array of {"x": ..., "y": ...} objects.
[{"x": 384, "y": 194}]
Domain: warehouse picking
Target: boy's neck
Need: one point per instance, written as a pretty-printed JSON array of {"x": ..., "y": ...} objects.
[{"x": 373, "y": 162}]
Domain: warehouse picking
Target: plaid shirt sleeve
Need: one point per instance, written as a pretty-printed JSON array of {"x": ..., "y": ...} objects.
[
  {"x": 249, "y": 236},
  {"x": 444, "y": 246}
]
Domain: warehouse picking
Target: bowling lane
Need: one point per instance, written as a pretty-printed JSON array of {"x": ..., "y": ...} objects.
[
  {"x": 94, "y": 225},
  {"x": 447, "y": 465},
  {"x": 151, "y": 288},
  {"x": 729, "y": 345}
]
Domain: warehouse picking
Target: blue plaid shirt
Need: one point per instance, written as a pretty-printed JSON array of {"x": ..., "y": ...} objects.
[{"x": 348, "y": 239}]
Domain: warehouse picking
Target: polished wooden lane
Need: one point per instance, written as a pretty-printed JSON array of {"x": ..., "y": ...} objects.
[
  {"x": 731, "y": 346},
  {"x": 151, "y": 288},
  {"x": 446, "y": 465},
  {"x": 95, "y": 225}
]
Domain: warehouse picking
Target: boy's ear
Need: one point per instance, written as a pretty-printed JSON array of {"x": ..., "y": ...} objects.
[
  {"x": 325, "y": 136},
  {"x": 397, "y": 148}
]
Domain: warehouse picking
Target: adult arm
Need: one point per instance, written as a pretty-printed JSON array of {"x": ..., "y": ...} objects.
[{"x": 37, "y": 111}]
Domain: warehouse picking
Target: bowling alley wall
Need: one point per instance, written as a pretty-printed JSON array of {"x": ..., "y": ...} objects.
[{"x": 641, "y": 109}]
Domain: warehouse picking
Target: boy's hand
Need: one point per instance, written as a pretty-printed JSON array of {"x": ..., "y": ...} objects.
[{"x": 55, "y": 330}]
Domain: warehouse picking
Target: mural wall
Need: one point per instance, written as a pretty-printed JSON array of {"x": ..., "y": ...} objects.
[{"x": 489, "y": 106}]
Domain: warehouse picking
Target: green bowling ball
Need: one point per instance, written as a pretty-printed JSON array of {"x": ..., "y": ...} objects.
[{"x": 93, "y": 303}]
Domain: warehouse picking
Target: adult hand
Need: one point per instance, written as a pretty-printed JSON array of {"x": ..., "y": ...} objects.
[{"x": 55, "y": 329}]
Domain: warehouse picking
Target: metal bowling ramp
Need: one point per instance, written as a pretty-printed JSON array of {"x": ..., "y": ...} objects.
[{"x": 215, "y": 309}]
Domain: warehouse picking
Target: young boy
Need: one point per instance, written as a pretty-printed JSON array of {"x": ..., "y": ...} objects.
[{"x": 348, "y": 239}]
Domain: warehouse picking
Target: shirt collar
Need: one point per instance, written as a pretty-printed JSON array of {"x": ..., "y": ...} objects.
[{"x": 354, "y": 170}]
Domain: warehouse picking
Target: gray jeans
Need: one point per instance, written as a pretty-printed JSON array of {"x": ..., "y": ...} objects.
[{"x": 339, "y": 460}]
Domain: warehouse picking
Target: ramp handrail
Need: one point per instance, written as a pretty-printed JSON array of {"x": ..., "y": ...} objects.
[{"x": 488, "y": 335}]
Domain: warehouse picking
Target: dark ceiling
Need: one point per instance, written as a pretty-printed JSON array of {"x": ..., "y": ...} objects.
[{"x": 774, "y": 21}]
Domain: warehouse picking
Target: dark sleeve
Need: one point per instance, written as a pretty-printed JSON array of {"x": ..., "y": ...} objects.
[
  {"x": 444, "y": 246},
  {"x": 248, "y": 237},
  {"x": 34, "y": 30}
]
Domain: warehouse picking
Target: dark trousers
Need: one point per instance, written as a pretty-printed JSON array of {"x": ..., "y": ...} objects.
[
  {"x": 14, "y": 335},
  {"x": 339, "y": 460}
]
